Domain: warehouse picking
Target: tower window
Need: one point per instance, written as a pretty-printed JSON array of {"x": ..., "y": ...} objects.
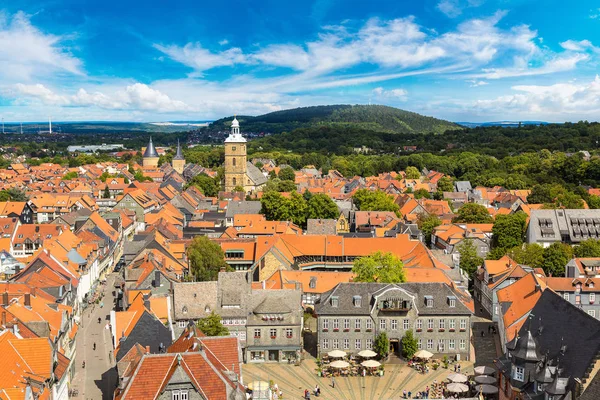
[
  {"x": 233, "y": 148},
  {"x": 234, "y": 162},
  {"x": 234, "y": 181}
]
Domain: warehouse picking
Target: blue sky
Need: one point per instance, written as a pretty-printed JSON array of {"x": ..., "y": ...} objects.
[{"x": 462, "y": 60}]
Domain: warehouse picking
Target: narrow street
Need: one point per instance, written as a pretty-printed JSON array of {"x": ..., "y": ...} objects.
[{"x": 99, "y": 377}]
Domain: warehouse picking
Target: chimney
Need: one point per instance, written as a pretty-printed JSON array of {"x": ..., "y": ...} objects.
[
  {"x": 222, "y": 269},
  {"x": 156, "y": 279},
  {"x": 16, "y": 329},
  {"x": 27, "y": 300},
  {"x": 34, "y": 292},
  {"x": 264, "y": 284},
  {"x": 148, "y": 349},
  {"x": 3, "y": 318},
  {"x": 17, "y": 269},
  {"x": 5, "y": 298}
]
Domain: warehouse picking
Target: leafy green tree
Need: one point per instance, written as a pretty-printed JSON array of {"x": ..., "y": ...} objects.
[
  {"x": 367, "y": 200},
  {"x": 307, "y": 195},
  {"x": 276, "y": 207},
  {"x": 206, "y": 259},
  {"x": 106, "y": 194},
  {"x": 554, "y": 196},
  {"x": 287, "y": 174},
  {"x": 207, "y": 185},
  {"x": 587, "y": 248},
  {"x": 509, "y": 230},
  {"x": 70, "y": 175},
  {"x": 422, "y": 194},
  {"x": 379, "y": 267},
  {"x": 4, "y": 196},
  {"x": 286, "y": 186},
  {"x": 409, "y": 344},
  {"x": 412, "y": 173},
  {"x": 382, "y": 344},
  {"x": 427, "y": 223},
  {"x": 320, "y": 206},
  {"x": 594, "y": 201},
  {"x": 445, "y": 184},
  {"x": 212, "y": 326},
  {"x": 13, "y": 194},
  {"x": 556, "y": 257},
  {"x": 530, "y": 254},
  {"x": 472, "y": 213},
  {"x": 469, "y": 260},
  {"x": 238, "y": 188}
]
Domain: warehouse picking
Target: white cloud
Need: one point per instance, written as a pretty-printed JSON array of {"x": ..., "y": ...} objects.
[
  {"x": 450, "y": 8},
  {"x": 133, "y": 97},
  {"x": 454, "y": 8},
  {"x": 195, "y": 56},
  {"x": 400, "y": 94},
  {"x": 27, "y": 52},
  {"x": 559, "y": 64},
  {"x": 582, "y": 45},
  {"x": 558, "y": 102},
  {"x": 595, "y": 14},
  {"x": 476, "y": 83},
  {"x": 223, "y": 42}
]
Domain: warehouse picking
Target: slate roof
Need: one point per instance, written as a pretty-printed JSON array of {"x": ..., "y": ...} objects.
[
  {"x": 150, "y": 150},
  {"x": 255, "y": 174},
  {"x": 148, "y": 331},
  {"x": 242, "y": 207},
  {"x": 440, "y": 292},
  {"x": 462, "y": 186},
  {"x": 178, "y": 153},
  {"x": 551, "y": 225},
  {"x": 565, "y": 324},
  {"x": 196, "y": 297},
  {"x": 321, "y": 226}
]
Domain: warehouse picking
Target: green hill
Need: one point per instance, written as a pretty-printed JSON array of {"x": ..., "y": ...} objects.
[{"x": 368, "y": 117}]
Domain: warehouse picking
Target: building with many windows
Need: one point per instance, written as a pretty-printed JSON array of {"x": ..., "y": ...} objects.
[{"x": 351, "y": 315}]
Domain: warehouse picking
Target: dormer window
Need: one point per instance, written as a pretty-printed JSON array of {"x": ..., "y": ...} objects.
[
  {"x": 184, "y": 310},
  {"x": 451, "y": 301},
  {"x": 313, "y": 282},
  {"x": 429, "y": 301},
  {"x": 334, "y": 301},
  {"x": 357, "y": 301}
]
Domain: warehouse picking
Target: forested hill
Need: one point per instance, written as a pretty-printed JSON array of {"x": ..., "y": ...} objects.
[{"x": 368, "y": 117}]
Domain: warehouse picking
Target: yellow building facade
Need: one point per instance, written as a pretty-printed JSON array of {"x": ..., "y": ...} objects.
[{"x": 235, "y": 159}]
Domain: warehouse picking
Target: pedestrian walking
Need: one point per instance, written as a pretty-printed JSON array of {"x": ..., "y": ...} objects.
[
  {"x": 332, "y": 382},
  {"x": 94, "y": 346}
]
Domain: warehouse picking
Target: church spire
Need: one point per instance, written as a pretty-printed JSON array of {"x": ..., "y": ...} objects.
[{"x": 178, "y": 153}]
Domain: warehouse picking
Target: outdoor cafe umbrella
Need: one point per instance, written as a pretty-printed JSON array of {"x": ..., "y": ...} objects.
[
  {"x": 484, "y": 370},
  {"x": 339, "y": 364},
  {"x": 423, "y": 354},
  {"x": 487, "y": 389},
  {"x": 370, "y": 364},
  {"x": 337, "y": 354},
  {"x": 258, "y": 385},
  {"x": 457, "y": 388},
  {"x": 458, "y": 378},
  {"x": 485, "y": 379},
  {"x": 367, "y": 353}
]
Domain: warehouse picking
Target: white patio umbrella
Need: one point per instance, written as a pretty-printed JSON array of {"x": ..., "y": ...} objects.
[
  {"x": 423, "y": 354},
  {"x": 458, "y": 378},
  {"x": 487, "y": 389},
  {"x": 484, "y": 370},
  {"x": 457, "y": 388},
  {"x": 485, "y": 379},
  {"x": 367, "y": 354},
  {"x": 339, "y": 364},
  {"x": 337, "y": 354},
  {"x": 370, "y": 364}
]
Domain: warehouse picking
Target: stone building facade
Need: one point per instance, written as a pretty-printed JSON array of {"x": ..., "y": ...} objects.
[
  {"x": 235, "y": 158},
  {"x": 351, "y": 315}
]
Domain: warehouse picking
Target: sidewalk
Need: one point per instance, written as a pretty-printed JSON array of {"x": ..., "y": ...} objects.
[{"x": 99, "y": 377}]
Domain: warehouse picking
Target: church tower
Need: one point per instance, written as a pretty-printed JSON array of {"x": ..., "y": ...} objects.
[
  {"x": 235, "y": 158},
  {"x": 150, "y": 157},
  {"x": 178, "y": 162}
]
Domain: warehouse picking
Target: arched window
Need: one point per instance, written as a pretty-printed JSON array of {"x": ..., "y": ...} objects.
[
  {"x": 234, "y": 162},
  {"x": 234, "y": 181}
]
